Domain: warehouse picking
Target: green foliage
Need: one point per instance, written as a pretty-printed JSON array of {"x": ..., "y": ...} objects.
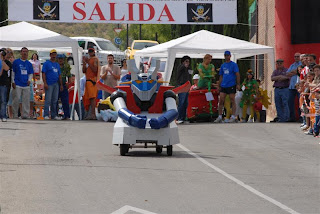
[{"x": 3, "y": 12}]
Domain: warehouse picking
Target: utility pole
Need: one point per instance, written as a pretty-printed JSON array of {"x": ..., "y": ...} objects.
[{"x": 127, "y": 35}]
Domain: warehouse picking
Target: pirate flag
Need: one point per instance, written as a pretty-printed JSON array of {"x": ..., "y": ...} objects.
[
  {"x": 46, "y": 10},
  {"x": 199, "y": 12}
]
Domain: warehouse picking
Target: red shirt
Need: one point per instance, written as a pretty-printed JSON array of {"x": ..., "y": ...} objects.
[{"x": 71, "y": 95}]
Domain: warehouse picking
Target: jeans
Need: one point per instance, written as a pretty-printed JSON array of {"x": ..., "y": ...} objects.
[
  {"x": 51, "y": 99},
  {"x": 316, "y": 126},
  {"x": 21, "y": 94},
  {"x": 3, "y": 101},
  {"x": 292, "y": 96},
  {"x": 64, "y": 96},
  {"x": 183, "y": 104},
  {"x": 281, "y": 100},
  {"x": 76, "y": 108}
]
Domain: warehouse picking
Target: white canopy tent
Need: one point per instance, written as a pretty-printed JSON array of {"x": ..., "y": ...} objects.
[
  {"x": 33, "y": 37},
  {"x": 197, "y": 44}
]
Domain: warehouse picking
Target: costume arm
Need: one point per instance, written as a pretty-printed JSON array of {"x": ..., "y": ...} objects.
[
  {"x": 170, "y": 115},
  {"x": 138, "y": 121}
]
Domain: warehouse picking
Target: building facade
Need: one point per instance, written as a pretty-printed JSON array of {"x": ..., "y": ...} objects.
[{"x": 289, "y": 26}]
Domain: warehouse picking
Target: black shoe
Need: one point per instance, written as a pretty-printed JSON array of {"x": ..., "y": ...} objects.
[{"x": 275, "y": 120}]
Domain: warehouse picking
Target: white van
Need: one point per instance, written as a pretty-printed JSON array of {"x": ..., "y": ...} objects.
[{"x": 104, "y": 47}]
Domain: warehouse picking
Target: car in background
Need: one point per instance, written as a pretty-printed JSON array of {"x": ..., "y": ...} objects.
[
  {"x": 139, "y": 45},
  {"x": 103, "y": 48}
]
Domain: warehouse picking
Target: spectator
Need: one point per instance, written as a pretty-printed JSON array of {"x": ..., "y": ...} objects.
[
  {"x": 206, "y": 72},
  {"x": 294, "y": 79},
  {"x": 281, "y": 91},
  {"x": 307, "y": 103},
  {"x": 22, "y": 76},
  {"x": 195, "y": 79},
  {"x": 229, "y": 82},
  {"x": 65, "y": 76},
  {"x": 183, "y": 76},
  {"x": 3, "y": 85},
  {"x": 71, "y": 95},
  {"x": 250, "y": 88},
  {"x": 316, "y": 126},
  {"x": 9, "y": 60},
  {"x": 35, "y": 64},
  {"x": 82, "y": 89},
  {"x": 110, "y": 74},
  {"x": 90, "y": 68},
  {"x": 124, "y": 68},
  {"x": 305, "y": 63},
  {"x": 51, "y": 75},
  {"x": 312, "y": 61}
]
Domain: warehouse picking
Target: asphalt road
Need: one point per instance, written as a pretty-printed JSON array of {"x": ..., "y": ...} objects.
[{"x": 72, "y": 167}]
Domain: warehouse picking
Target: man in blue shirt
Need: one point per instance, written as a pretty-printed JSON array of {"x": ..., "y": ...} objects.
[
  {"x": 21, "y": 77},
  {"x": 294, "y": 79},
  {"x": 229, "y": 82},
  {"x": 51, "y": 75}
]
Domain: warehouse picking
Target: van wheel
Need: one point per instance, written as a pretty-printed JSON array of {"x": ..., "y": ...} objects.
[
  {"x": 169, "y": 150},
  {"x": 124, "y": 148}
]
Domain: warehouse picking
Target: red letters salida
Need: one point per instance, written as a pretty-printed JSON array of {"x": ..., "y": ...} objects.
[{"x": 81, "y": 13}]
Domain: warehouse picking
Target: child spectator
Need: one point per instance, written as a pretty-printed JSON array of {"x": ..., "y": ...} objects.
[
  {"x": 71, "y": 95},
  {"x": 250, "y": 89},
  {"x": 195, "y": 79},
  {"x": 317, "y": 113}
]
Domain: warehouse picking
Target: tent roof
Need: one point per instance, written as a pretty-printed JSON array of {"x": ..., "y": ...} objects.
[
  {"x": 197, "y": 44},
  {"x": 29, "y": 35}
]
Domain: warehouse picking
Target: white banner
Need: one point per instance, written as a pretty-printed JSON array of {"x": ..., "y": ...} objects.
[{"x": 125, "y": 11}]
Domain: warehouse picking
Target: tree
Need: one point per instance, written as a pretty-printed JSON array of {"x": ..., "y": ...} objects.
[
  {"x": 3, "y": 12},
  {"x": 240, "y": 31}
]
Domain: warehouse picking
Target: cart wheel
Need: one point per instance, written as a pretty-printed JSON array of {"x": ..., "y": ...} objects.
[
  {"x": 124, "y": 149},
  {"x": 159, "y": 149},
  {"x": 169, "y": 150}
]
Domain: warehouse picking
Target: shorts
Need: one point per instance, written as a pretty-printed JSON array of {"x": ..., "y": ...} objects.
[{"x": 228, "y": 90}]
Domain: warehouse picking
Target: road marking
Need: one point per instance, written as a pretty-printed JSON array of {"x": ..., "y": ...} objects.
[
  {"x": 251, "y": 189},
  {"x": 127, "y": 208}
]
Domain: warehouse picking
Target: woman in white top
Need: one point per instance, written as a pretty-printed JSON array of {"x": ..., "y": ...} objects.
[
  {"x": 123, "y": 68},
  {"x": 35, "y": 64}
]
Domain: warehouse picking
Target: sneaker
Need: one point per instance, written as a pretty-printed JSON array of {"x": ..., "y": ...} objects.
[
  {"x": 225, "y": 121},
  {"x": 232, "y": 120},
  {"x": 243, "y": 121},
  {"x": 308, "y": 133},
  {"x": 218, "y": 120},
  {"x": 4, "y": 119},
  {"x": 179, "y": 122},
  {"x": 47, "y": 118},
  {"x": 57, "y": 118},
  {"x": 250, "y": 121},
  {"x": 303, "y": 127}
]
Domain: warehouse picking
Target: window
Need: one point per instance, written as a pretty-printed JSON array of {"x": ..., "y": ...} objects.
[
  {"x": 305, "y": 25},
  {"x": 82, "y": 44},
  {"x": 91, "y": 45},
  {"x": 107, "y": 46},
  {"x": 142, "y": 45}
]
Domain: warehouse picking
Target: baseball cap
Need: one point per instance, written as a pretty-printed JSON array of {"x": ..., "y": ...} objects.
[
  {"x": 53, "y": 51},
  {"x": 227, "y": 53},
  {"x": 196, "y": 77},
  {"x": 61, "y": 56},
  {"x": 279, "y": 60}
]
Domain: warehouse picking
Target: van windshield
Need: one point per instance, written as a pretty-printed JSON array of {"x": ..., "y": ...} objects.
[
  {"x": 107, "y": 46},
  {"x": 142, "y": 45}
]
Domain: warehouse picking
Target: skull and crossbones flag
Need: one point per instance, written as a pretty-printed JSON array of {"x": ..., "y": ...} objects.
[
  {"x": 46, "y": 10},
  {"x": 199, "y": 12}
]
